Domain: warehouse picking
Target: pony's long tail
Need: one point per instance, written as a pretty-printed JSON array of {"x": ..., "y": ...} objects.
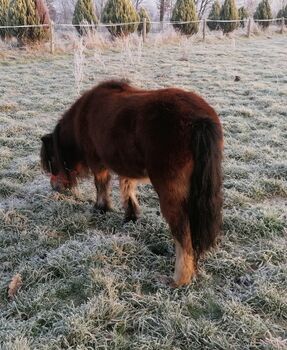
[{"x": 205, "y": 198}]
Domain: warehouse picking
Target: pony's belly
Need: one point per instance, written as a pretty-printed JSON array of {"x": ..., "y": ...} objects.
[
  {"x": 130, "y": 172},
  {"x": 144, "y": 180},
  {"x": 124, "y": 160}
]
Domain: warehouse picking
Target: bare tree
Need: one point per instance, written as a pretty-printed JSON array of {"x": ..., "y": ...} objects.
[
  {"x": 52, "y": 9},
  {"x": 100, "y": 4},
  {"x": 251, "y": 5},
  {"x": 202, "y": 7},
  {"x": 137, "y": 3},
  {"x": 169, "y": 7},
  {"x": 66, "y": 10},
  {"x": 165, "y": 8}
]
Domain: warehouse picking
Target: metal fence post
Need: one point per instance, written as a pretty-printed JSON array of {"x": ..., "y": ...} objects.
[
  {"x": 282, "y": 25},
  {"x": 204, "y": 29},
  {"x": 144, "y": 30},
  {"x": 52, "y": 37},
  {"x": 248, "y": 27}
]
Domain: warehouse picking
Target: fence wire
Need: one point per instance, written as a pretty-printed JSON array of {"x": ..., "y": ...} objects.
[{"x": 103, "y": 25}]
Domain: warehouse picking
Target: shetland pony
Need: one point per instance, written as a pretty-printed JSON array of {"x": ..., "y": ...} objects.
[{"x": 170, "y": 136}]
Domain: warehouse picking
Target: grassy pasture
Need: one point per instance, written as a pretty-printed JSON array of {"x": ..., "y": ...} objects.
[{"x": 90, "y": 282}]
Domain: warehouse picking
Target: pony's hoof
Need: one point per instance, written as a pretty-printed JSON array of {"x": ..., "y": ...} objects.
[
  {"x": 102, "y": 209},
  {"x": 132, "y": 218},
  {"x": 183, "y": 282},
  {"x": 167, "y": 281},
  {"x": 171, "y": 283}
]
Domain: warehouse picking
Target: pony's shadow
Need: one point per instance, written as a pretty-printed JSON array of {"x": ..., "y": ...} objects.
[{"x": 112, "y": 222}]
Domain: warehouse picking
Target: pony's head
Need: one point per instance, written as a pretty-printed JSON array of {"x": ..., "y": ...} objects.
[{"x": 62, "y": 174}]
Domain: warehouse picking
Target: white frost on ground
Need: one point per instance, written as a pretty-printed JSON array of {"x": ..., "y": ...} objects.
[{"x": 91, "y": 282}]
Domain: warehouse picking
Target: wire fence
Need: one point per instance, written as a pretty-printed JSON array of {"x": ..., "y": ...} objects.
[
  {"x": 156, "y": 27},
  {"x": 62, "y": 25}
]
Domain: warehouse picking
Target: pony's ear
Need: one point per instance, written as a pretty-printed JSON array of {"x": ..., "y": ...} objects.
[
  {"x": 47, "y": 146},
  {"x": 46, "y": 152},
  {"x": 47, "y": 139}
]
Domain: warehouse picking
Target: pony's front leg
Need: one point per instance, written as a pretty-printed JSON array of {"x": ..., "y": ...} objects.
[
  {"x": 129, "y": 199},
  {"x": 102, "y": 183}
]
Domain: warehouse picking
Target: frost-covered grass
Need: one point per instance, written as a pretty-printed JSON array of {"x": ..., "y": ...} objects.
[{"x": 90, "y": 282}]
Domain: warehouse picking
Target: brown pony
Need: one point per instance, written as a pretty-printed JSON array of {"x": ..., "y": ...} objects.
[{"x": 170, "y": 136}]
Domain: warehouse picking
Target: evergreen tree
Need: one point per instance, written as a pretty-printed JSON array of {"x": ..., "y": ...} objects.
[
  {"x": 214, "y": 14},
  {"x": 282, "y": 13},
  {"x": 229, "y": 12},
  {"x": 84, "y": 13},
  {"x": 120, "y": 11},
  {"x": 263, "y": 11},
  {"x": 185, "y": 11},
  {"x": 285, "y": 13},
  {"x": 243, "y": 14},
  {"x": 28, "y": 12},
  {"x": 3, "y": 17},
  {"x": 144, "y": 14}
]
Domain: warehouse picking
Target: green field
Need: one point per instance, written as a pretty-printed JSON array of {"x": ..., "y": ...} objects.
[{"x": 90, "y": 282}]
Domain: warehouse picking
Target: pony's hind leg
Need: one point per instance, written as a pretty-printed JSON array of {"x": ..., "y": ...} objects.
[
  {"x": 129, "y": 199},
  {"x": 176, "y": 215},
  {"x": 173, "y": 196},
  {"x": 102, "y": 183}
]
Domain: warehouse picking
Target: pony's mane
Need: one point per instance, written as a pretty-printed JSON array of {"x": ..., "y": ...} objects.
[
  {"x": 57, "y": 149},
  {"x": 122, "y": 84}
]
